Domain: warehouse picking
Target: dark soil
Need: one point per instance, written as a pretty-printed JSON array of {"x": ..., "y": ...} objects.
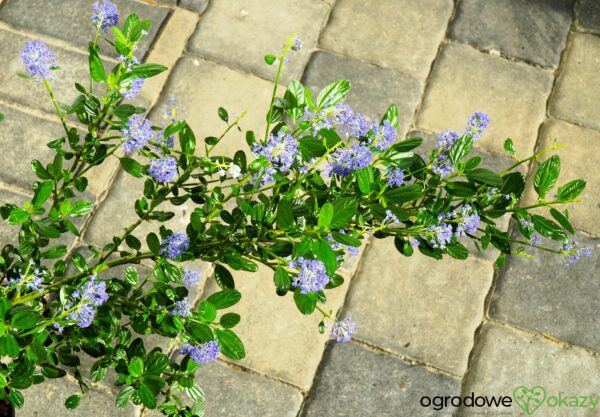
[{"x": 6, "y": 410}]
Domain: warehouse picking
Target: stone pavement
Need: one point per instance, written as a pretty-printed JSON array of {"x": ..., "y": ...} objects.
[{"x": 425, "y": 328}]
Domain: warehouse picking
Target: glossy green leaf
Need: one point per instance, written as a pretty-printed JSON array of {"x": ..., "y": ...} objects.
[
  {"x": 484, "y": 176},
  {"x": 96, "y": 67},
  {"x": 43, "y": 193},
  {"x": 571, "y": 190},
  {"x": 132, "y": 166},
  {"x": 230, "y": 344},
  {"x": 325, "y": 216},
  {"x": 225, "y": 299},
  {"x": 223, "y": 277},
  {"x": 333, "y": 94},
  {"x": 546, "y": 175}
]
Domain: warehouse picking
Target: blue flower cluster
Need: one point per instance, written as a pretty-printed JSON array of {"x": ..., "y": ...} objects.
[
  {"x": 133, "y": 89},
  {"x": 38, "y": 60},
  {"x": 86, "y": 299},
  {"x": 203, "y": 354},
  {"x": 312, "y": 275},
  {"x": 137, "y": 133},
  {"x": 342, "y": 330},
  {"x": 395, "y": 177},
  {"x": 570, "y": 259},
  {"x": 280, "y": 150},
  {"x": 182, "y": 308},
  {"x": 350, "y": 250},
  {"x": 29, "y": 281},
  {"x": 190, "y": 277},
  {"x": 164, "y": 169},
  {"x": 174, "y": 245},
  {"x": 466, "y": 220},
  {"x": 347, "y": 160},
  {"x": 105, "y": 15}
]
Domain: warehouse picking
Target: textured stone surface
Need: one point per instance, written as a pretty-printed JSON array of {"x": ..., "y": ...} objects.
[
  {"x": 576, "y": 159},
  {"x": 198, "y": 6},
  {"x": 465, "y": 81},
  {"x": 272, "y": 325},
  {"x": 73, "y": 68},
  {"x": 48, "y": 399},
  {"x": 578, "y": 88},
  {"x": 419, "y": 307},
  {"x": 23, "y": 137},
  {"x": 588, "y": 15},
  {"x": 405, "y": 38},
  {"x": 70, "y": 22},
  {"x": 534, "y": 31},
  {"x": 543, "y": 295},
  {"x": 218, "y": 86},
  {"x": 505, "y": 359},
  {"x": 373, "y": 89},
  {"x": 226, "y": 28},
  {"x": 381, "y": 385}
]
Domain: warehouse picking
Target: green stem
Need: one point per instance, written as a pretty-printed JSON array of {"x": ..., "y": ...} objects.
[{"x": 56, "y": 107}]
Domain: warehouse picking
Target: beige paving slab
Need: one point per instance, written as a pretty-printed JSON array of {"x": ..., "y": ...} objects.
[
  {"x": 465, "y": 80},
  {"x": 402, "y": 35},
  {"x": 425, "y": 309},
  {"x": 577, "y": 92}
]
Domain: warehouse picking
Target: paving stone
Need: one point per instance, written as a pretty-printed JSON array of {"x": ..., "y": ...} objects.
[
  {"x": 407, "y": 39},
  {"x": 465, "y": 81},
  {"x": 48, "y": 399},
  {"x": 218, "y": 86},
  {"x": 588, "y": 15},
  {"x": 23, "y": 137},
  {"x": 419, "y": 307},
  {"x": 73, "y": 68},
  {"x": 230, "y": 392},
  {"x": 354, "y": 381},
  {"x": 505, "y": 359},
  {"x": 10, "y": 233},
  {"x": 577, "y": 88},
  {"x": 271, "y": 325},
  {"x": 373, "y": 88},
  {"x": 542, "y": 295},
  {"x": 70, "y": 21},
  {"x": 198, "y": 6},
  {"x": 534, "y": 31},
  {"x": 576, "y": 160},
  {"x": 268, "y": 25}
]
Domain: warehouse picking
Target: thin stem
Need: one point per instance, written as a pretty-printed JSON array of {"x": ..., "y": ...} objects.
[
  {"x": 279, "y": 68},
  {"x": 56, "y": 107},
  {"x": 94, "y": 47}
]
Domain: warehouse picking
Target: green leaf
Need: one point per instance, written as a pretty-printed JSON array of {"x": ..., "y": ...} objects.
[
  {"x": 43, "y": 193},
  {"x": 560, "y": 218},
  {"x": 9, "y": 346},
  {"x": 131, "y": 275},
  {"x": 333, "y": 94},
  {"x": 207, "y": 312},
  {"x": 306, "y": 303},
  {"x": 223, "y": 277},
  {"x": 133, "y": 242},
  {"x": 46, "y": 230},
  {"x": 343, "y": 210},
  {"x": 365, "y": 178},
  {"x": 39, "y": 170},
  {"x": 124, "y": 395},
  {"x": 5, "y": 307},
  {"x": 144, "y": 71},
  {"x": 345, "y": 239},
  {"x": 224, "y": 299},
  {"x": 392, "y": 115},
  {"x": 79, "y": 261},
  {"x": 81, "y": 208},
  {"x": 509, "y": 146},
  {"x": 500, "y": 260},
  {"x": 406, "y": 145},
  {"x": 96, "y": 67},
  {"x": 285, "y": 214},
  {"x": 223, "y": 115},
  {"x": 16, "y": 398},
  {"x": 146, "y": 396},
  {"x": 156, "y": 363},
  {"x": 484, "y": 176},
  {"x": 571, "y": 190},
  {"x": 311, "y": 148},
  {"x": 231, "y": 345},
  {"x": 25, "y": 319},
  {"x": 136, "y": 367},
  {"x": 18, "y": 216},
  {"x": 200, "y": 332},
  {"x": 153, "y": 243},
  {"x": 132, "y": 166},
  {"x": 546, "y": 175},
  {"x": 325, "y": 216},
  {"x": 270, "y": 59},
  {"x": 52, "y": 372},
  {"x": 547, "y": 228},
  {"x": 54, "y": 252},
  {"x": 461, "y": 148},
  {"x": 282, "y": 280},
  {"x": 230, "y": 320},
  {"x": 461, "y": 189},
  {"x": 457, "y": 250},
  {"x": 403, "y": 194},
  {"x": 73, "y": 402}
]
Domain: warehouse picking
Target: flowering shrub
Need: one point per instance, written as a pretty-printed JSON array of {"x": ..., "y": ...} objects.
[{"x": 321, "y": 179}]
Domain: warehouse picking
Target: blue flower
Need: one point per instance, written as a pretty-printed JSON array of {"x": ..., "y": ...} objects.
[
  {"x": 163, "y": 170},
  {"x": 86, "y": 299},
  {"x": 395, "y": 177},
  {"x": 280, "y": 150},
  {"x": 350, "y": 250},
  {"x": 38, "y": 59},
  {"x": 477, "y": 123},
  {"x": 134, "y": 89},
  {"x": 312, "y": 275},
  {"x": 349, "y": 123},
  {"x": 442, "y": 166},
  {"x": 383, "y": 136},
  {"x": 138, "y": 132},
  {"x": 345, "y": 161},
  {"x": 203, "y": 354},
  {"x": 105, "y": 15},
  {"x": 175, "y": 245},
  {"x": 390, "y": 218},
  {"x": 441, "y": 235},
  {"x": 573, "y": 253},
  {"x": 467, "y": 222},
  {"x": 182, "y": 308},
  {"x": 296, "y": 44},
  {"x": 446, "y": 139},
  {"x": 190, "y": 277},
  {"x": 342, "y": 330}
]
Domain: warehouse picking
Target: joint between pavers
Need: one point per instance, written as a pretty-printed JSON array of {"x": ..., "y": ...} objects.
[
  {"x": 40, "y": 114},
  {"x": 240, "y": 368},
  {"x": 14, "y": 189}
]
